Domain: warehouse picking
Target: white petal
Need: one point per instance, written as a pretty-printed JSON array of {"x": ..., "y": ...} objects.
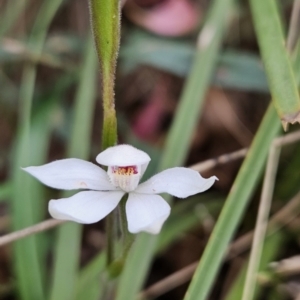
[
  {"x": 179, "y": 182},
  {"x": 146, "y": 213},
  {"x": 85, "y": 207},
  {"x": 123, "y": 155},
  {"x": 70, "y": 174}
]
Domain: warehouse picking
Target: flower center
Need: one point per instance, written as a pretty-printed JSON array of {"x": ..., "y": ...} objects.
[
  {"x": 126, "y": 177},
  {"x": 130, "y": 170}
]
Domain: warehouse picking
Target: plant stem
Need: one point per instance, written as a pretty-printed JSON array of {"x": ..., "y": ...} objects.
[
  {"x": 109, "y": 228},
  {"x": 123, "y": 220},
  {"x": 105, "y": 20},
  {"x": 127, "y": 236},
  {"x": 116, "y": 266}
]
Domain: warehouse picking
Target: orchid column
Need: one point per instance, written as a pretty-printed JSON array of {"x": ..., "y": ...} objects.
[{"x": 105, "y": 20}]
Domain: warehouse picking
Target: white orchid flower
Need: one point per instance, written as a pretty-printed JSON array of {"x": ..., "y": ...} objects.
[{"x": 145, "y": 210}]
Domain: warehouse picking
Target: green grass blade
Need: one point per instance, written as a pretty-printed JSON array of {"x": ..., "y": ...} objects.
[
  {"x": 192, "y": 99},
  {"x": 6, "y": 189},
  {"x": 241, "y": 71},
  {"x": 34, "y": 210},
  {"x": 235, "y": 69},
  {"x": 178, "y": 141},
  {"x": 271, "y": 251},
  {"x": 40, "y": 134},
  {"x": 276, "y": 60},
  {"x": 30, "y": 253},
  {"x": 234, "y": 208},
  {"x": 11, "y": 14},
  {"x": 296, "y": 62},
  {"x": 69, "y": 235},
  {"x": 136, "y": 266},
  {"x": 88, "y": 285},
  {"x": 26, "y": 252}
]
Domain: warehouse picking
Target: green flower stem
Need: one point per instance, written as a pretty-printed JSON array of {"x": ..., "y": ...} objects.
[
  {"x": 109, "y": 130},
  {"x": 105, "y": 20},
  {"x": 109, "y": 229},
  {"x": 128, "y": 238},
  {"x": 123, "y": 220},
  {"x": 116, "y": 267}
]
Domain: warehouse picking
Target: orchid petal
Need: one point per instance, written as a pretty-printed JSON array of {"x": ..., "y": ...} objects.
[
  {"x": 85, "y": 207},
  {"x": 122, "y": 156},
  {"x": 146, "y": 213},
  {"x": 179, "y": 182},
  {"x": 72, "y": 173}
]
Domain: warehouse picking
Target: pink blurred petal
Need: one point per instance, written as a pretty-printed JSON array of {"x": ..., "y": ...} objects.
[
  {"x": 148, "y": 121},
  {"x": 170, "y": 18}
]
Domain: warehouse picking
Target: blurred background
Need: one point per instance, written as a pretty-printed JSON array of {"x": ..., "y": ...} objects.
[{"x": 49, "y": 79}]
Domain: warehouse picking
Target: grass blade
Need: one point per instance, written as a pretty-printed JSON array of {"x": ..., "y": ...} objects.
[
  {"x": 277, "y": 63},
  {"x": 261, "y": 221},
  {"x": 270, "y": 253},
  {"x": 192, "y": 99},
  {"x": 234, "y": 208},
  {"x": 5, "y": 190},
  {"x": 235, "y": 69},
  {"x": 88, "y": 285},
  {"x": 69, "y": 235},
  {"x": 11, "y": 14},
  {"x": 26, "y": 252},
  {"x": 32, "y": 212}
]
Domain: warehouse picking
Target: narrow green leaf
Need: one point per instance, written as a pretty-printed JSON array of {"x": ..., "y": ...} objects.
[
  {"x": 39, "y": 134},
  {"x": 88, "y": 285},
  {"x": 69, "y": 235},
  {"x": 192, "y": 99},
  {"x": 234, "y": 208},
  {"x": 276, "y": 60},
  {"x": 270, "y": 252},
  {"x": 240, "y": 71},
  {"x": 296, "y": 62},
  {"x": 11, "y": 14},
  {"x": 235, "y": 69},
  {"x": 30, "y": 252},
  {"x": 289, "y": 176},
  {"x": 6, "y": 189},
  {"x": 26, "y": 252},
  {"x": 143, "y": 48}
]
